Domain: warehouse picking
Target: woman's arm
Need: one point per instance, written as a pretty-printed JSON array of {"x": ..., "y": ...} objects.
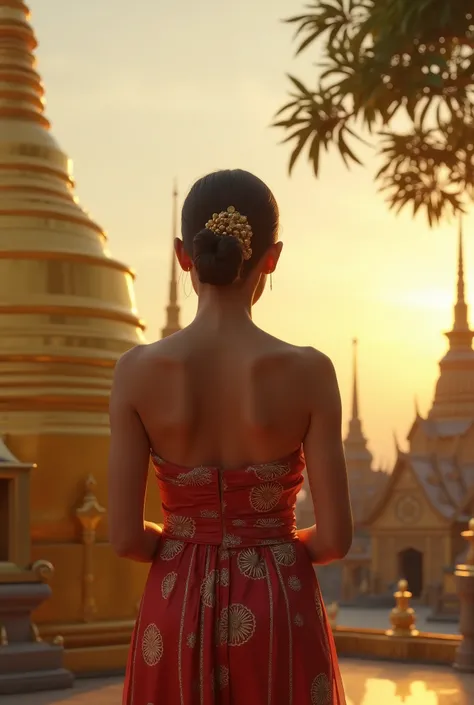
[
  {"x": 331, "y": 537},
  {"x": 129, "y": 457}
]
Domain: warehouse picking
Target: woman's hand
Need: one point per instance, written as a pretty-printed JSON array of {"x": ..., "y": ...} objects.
[
  {"x": 319, "y": 552},
  {"x": 305, "y": 538}
]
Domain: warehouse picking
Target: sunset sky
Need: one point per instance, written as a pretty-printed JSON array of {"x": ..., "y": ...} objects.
[{"x": 139, "y": 93}]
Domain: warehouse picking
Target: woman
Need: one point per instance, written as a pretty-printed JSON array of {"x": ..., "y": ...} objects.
[{"x": 232, "y": 613}]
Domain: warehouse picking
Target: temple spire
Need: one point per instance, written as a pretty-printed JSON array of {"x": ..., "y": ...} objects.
[
  {"x": 355, "y": 436},
  {"x": 460, "y": 308},
  {"x": 460, "y": 337},
  {"x": 172, "y": 310},
  {"x": 355, "y": 392},
  {"x": 417, "y": 407}
]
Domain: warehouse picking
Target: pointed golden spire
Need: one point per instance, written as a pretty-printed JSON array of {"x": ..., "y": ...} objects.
[
  {"x": 355, "y": 393},
  {"x": 21, "y": 91},
  {"x": 460, "y": 337},
  {"x": 454, "y": 395},
  {"x": 417, "y": 407},
  {"x": 355, "y": 443},
  {"x": 460, "y": 308},
  {"x": 172, "y": 324},
  {"x": 395, "y": 440}
]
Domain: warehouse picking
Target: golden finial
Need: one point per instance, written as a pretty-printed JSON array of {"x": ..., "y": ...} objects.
[
  {"x": 231, "y": 222},
  {"x": 332, "y": 612},
  {"x": 402, "y": 617},
  {"x": 90, "y": 512}
]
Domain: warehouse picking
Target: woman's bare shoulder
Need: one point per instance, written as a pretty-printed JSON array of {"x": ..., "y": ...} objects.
[{"x": 311, "y": 359}]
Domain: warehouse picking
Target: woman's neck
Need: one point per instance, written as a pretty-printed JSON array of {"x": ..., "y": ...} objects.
[{"x": 220, "y": 305}]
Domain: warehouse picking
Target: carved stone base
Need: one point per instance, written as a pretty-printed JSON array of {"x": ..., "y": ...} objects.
[{"x": 26, "y": 663}]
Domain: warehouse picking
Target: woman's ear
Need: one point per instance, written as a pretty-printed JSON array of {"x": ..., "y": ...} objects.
[
  {"x": 272, "y": 256},
  {"x": 184, "y": 259}
]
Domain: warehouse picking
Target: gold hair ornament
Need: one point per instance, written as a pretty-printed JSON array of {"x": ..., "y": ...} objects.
[{"x": 230, "y": 222}]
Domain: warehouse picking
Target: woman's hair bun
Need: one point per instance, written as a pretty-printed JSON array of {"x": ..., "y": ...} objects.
[{"x": 218, "y": 259}]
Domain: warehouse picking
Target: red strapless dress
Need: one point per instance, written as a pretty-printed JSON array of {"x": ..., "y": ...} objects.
[{"x": 232, "y": 612}]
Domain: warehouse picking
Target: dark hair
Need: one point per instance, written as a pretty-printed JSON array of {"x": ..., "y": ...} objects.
[{"x": 219, "y": 260}]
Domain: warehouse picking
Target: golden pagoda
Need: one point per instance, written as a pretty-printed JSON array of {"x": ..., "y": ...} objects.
[
  {"x": 415, "y": 526},
  {"x": 172, "y": 324},
  {"x": 67, "y": 312}
]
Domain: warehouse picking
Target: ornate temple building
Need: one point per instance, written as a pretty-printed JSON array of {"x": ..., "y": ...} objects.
[
  {"x": 416, "y": 523},
  {"x": 67, "y": 312},
  {"x": 172, "y": 324}
]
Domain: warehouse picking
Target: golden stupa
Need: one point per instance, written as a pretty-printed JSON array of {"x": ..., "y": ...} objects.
[{"x": 67, "y": 312}]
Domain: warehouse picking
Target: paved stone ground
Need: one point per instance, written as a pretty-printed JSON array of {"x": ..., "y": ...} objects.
[{"x": 366, "y": 682}]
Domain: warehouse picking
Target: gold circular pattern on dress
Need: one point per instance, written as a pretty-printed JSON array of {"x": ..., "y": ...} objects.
[
  {"x": 321, "y": 690},
  {"x": 264, "y": 498},
  {"x": 294, "y": 583},
  {"x": 184, "y": 527},
  {"x": 251, "y": 564},
  {"x": 171, "y": 549},
  {"x": 197, "y": 477},
  {"x": 223, "y": 677},
  {"x": 152, "y": 645},
  {"x": 268, "y": 523},
  {"x": 285, "y": 554},
  {"x": 231, "y": 223},
  {"x": 191, "y": 640},
  {"x": 167, "y": 584},
  {"x": 298, "y": 620},
  {"x": 224, "y": 554},
  {"x": 224, "y": 578},
  {"x": 270, "y": 471},
  {"x": 208, "y": 588},
  {"x": 209, "y": 514},
  {"x": 236, "y": 625},
  {"x": 231, "y": 540}
]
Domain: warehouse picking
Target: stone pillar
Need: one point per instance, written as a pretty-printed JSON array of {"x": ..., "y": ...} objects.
[
  {"x": 27, "y": 664},
  {"x": 464, "y": 660}
]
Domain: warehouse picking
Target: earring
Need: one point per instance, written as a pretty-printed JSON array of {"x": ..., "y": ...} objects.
[
  {"x": 271, "y": 281},
  {"x": 186, "y": 276}
]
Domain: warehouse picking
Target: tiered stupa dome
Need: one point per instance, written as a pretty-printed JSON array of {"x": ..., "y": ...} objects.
[
  {"x": 67, "y": 313},
  {"x": 67, "y": 310}
]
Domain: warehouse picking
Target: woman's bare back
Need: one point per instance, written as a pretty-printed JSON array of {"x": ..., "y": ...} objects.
[{"x": 222, "y": 395}]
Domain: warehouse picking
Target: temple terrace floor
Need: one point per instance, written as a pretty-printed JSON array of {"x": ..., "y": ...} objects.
[{"x": 366, "y": 682}]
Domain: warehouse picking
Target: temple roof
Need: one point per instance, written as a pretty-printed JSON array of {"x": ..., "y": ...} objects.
[
  {"x": 445, "y": 483},
  {"x": 441, "y": 428}
]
